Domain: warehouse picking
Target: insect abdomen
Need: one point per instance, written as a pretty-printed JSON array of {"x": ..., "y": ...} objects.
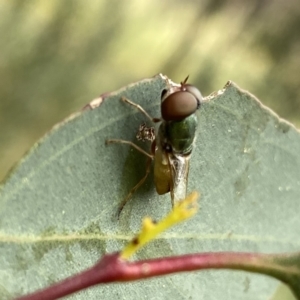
[{"x": 162, "y": 173}]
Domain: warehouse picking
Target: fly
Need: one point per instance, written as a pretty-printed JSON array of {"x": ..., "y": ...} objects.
[{"x": 172, "y": 144}]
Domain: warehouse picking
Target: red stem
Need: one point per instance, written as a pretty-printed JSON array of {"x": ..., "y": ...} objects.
[{"x": 111, "y": 269}]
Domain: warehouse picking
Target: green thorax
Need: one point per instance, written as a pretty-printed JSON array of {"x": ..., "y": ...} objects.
[{"x": 178, "y": 136}]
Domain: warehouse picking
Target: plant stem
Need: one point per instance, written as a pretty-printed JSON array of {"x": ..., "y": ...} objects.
[{"x": 111, "y": 268}]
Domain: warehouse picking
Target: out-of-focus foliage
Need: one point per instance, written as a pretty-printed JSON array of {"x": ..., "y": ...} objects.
[{"x": 58, "y": 55}]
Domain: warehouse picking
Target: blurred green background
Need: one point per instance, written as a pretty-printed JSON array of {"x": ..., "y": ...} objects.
[{"x": 56, "y": 56}]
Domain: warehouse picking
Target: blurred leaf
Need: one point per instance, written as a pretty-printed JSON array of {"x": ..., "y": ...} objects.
[{"x": 58, "y": 208}]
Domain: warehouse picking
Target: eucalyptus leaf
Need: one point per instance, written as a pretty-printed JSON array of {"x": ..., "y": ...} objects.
[{"x": 58, "y": 208}]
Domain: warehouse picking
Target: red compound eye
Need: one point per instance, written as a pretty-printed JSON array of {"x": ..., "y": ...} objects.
[
  {"x": 194, "y": 91},
  {"x": 180, "y": 105}
]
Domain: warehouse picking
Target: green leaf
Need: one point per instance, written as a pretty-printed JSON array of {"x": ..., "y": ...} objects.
[{"x": 58, "y": 207}]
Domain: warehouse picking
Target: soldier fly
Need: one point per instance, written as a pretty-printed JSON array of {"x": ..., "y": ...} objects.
[{"x": 172, "y": 145}]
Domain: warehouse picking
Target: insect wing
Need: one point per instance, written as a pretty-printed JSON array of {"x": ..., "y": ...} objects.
[{"x": 179, "y": 166}]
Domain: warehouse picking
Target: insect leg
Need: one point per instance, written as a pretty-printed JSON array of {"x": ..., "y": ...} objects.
[
  {"x": 154, "y": 120},
  {"x": 133, "y": 190},
  {"x": 148, "y": 168},
  {"x": 117, "y": 141}
]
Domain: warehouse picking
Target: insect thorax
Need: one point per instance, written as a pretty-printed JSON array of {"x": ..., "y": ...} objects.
[{"x": 178, "y": 136}]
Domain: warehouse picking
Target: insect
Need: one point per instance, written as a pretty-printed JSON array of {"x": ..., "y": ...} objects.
[{"x": 172, "y": 145}]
